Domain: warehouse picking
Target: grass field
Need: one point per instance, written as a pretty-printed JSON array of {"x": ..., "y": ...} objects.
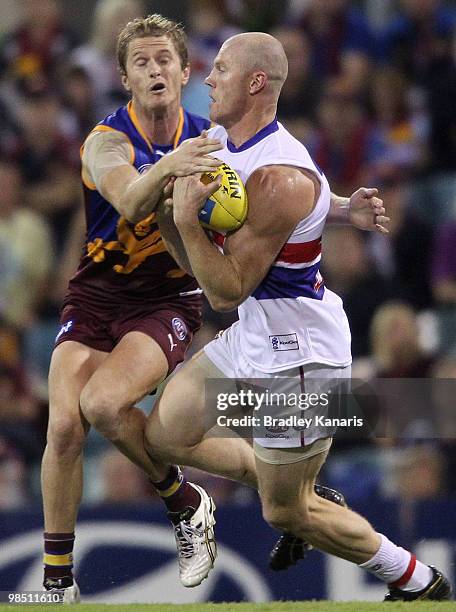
[{"x": 298, "y": 606}]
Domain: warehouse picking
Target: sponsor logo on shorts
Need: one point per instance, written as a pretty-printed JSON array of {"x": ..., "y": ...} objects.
[
  {"x": 65, "y": 327},
  {"x": 276, "y": 429},
  {"x": 179, "y": 328},
  {"x": 284, "y": 342}
]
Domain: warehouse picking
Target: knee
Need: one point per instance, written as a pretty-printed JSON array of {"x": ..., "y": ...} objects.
[
  {"x": 66, "y": 435},
  {"x": 102, "y": 411}
]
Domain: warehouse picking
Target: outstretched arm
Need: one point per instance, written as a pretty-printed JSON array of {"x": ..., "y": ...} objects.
[
  {"x": 363, "y": 209},
  {"x": 107, "y": 162}
]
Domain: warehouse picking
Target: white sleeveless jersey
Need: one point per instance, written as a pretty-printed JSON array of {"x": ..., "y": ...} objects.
[{"x": 291, "y": 318}]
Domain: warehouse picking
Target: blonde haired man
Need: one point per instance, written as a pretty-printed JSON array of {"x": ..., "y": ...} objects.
[{"x": 130, "y": 311}]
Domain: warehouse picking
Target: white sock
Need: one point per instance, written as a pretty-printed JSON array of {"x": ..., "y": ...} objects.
[
  {"x": 421, "y": 577},
  {"x": 391, "y": 564}
]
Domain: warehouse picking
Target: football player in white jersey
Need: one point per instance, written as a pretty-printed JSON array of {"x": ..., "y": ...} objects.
[{"x": 290, "y": 324}]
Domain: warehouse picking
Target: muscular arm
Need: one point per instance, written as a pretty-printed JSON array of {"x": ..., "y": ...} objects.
[
  {"x": 107, "y": 163},
  {"x": 278, "y": 198}
]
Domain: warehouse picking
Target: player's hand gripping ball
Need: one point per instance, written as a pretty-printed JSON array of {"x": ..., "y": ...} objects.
[{"x": 226, "y": 209}]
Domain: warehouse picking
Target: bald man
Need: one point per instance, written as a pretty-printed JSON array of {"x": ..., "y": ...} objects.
[{"x": 292, "y": 336}]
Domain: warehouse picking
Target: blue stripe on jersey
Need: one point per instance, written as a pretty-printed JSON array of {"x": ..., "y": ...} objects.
[{"x": 289, "y": 283}]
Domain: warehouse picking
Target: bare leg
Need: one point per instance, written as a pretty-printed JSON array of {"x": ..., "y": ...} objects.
[
  {"x": 290, "y": 504},
  {"x": 179, "y": 431},
  {"x": 61, "y": 474},
  {"x": 135, "y": 367}
]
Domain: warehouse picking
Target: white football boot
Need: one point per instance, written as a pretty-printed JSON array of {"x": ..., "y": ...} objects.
[
  {"x": 195, "y": 540},
  {"x": 68, "y": 594}
]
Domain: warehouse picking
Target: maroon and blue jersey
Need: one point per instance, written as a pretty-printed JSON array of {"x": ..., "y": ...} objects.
[{"x": 126, "y": 263}]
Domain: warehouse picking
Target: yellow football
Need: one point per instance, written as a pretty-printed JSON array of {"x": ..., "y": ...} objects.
[{"x": 226, "y": 209}]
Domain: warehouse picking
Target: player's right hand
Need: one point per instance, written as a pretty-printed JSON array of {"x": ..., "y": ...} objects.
[{"x": 192, "y": 156}]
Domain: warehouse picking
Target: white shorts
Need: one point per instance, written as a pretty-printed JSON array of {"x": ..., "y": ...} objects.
[{"x": 277, "y": 426}]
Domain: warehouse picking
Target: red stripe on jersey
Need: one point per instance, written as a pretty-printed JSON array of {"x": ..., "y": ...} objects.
[
  {"x": 219, "y": 239},
  {"x": 300, "y": 252}
]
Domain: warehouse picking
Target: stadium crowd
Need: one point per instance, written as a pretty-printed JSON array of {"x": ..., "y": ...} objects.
[{"x": 371, "y": 92}]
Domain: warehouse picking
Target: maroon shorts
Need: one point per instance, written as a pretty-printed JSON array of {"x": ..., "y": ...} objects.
[{"x": 171, "y": 325}]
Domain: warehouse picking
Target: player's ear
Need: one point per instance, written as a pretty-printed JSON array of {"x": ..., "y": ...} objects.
[
  {"x": 257, "y": 82},
  {"x": 125, "y": 82},
  {"x": 185, "y": 75}
]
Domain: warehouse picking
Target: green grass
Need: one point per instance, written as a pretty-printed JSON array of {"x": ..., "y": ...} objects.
[{"x": 298, "y": 606}]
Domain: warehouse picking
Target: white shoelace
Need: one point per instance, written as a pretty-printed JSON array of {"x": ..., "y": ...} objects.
[{"x": 184, "y": 534}]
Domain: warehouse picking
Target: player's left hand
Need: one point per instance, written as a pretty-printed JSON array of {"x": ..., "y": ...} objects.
[
  {"x": 189, "y": 195},
  {"x": 366, "y": 211}
]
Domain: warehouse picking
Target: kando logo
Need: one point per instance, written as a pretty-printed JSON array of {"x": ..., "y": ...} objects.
[{"x": 161, "y": 584}]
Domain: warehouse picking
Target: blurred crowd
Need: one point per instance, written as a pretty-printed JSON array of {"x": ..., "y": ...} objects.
[{"x": 371, "y": 92}]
